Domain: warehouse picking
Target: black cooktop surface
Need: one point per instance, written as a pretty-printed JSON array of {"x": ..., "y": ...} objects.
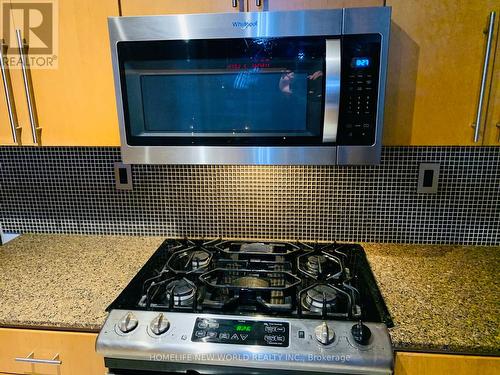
[{"x": 286, "y": 279}]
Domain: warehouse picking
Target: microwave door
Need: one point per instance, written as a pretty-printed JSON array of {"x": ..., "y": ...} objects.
[{"x": 332, "y": 90}]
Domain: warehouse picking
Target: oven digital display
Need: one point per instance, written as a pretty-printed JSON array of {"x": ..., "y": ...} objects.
[
  {"x": 360, "y": 62},
  {"x": 243, "y": 328},
  {"x": 241, "y": 332}
]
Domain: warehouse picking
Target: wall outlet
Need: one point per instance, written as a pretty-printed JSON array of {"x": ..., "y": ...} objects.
[
  {"x": 123, "y": 176},
  {"x": 428, "y": 178},
  {"x": 6, "y": 237}
]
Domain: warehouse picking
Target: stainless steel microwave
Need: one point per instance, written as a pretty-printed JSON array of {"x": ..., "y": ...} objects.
[{"x": 301, "y": 87}]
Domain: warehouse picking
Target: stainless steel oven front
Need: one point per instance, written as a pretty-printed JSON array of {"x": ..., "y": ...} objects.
[{"x": 302, "y": 87}]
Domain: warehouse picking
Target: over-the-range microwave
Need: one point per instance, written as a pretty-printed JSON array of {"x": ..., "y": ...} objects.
[{"x": 300, "y": 87}]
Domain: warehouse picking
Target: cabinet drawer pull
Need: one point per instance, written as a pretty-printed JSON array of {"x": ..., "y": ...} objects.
[
  {"x": 486, "y": 64},
  {"x": 234, "y": 3},
  {"x": 9, "y": 96},
  {"x": 30, "y": 359},
  {"x": 258, "y": 3},
  {"x": 30, "y": 98}
]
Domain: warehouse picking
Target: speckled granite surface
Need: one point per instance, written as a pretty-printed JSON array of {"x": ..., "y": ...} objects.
[
  {"x": 444, "y": 298},
  {"x": 66, "y": 281}
]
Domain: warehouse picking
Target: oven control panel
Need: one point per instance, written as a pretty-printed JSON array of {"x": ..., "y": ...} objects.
[
  {"x": 241, "y": 332},
  {"x": 187, "y": 342}
]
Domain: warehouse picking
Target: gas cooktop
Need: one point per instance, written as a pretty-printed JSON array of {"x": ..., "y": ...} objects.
[
  {"x": 282, "y": 296},
  {"x": 321, "y": 281}
]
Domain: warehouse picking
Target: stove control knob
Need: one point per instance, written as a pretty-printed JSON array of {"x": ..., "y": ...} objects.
[
  {"x": 159, "y": 325},
  {"x": 324, "y": 333},
  {"x": 361, "y": 333},
  {"x": 128, "y": 323}
]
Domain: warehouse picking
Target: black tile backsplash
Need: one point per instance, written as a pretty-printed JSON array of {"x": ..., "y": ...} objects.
[{"x": 72, "y": 190}]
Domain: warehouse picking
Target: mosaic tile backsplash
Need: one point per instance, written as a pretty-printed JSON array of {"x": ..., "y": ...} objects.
[{"x": 72, "y": 190}]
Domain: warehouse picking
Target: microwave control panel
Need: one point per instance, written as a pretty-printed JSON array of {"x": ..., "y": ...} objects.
[{"x": 359, "y": 89}]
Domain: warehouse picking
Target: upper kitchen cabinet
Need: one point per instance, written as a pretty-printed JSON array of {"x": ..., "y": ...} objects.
[
  {"x": 71, "y": 103},
  {"x": 437, "y": 53},
  {"x": 256, "y": 5},
  {"x": 149, "y": 7},
  {"x": 492, "y": 127}
]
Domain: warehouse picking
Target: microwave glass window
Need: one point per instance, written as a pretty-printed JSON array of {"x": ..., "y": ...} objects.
[
  {"x": 219, "y": 91},
  {"x": 228, "y": 103}
]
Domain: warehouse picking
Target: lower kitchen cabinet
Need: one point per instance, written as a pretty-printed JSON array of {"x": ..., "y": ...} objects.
[
  {"x": 75, "y": 351},
  {"x": 445, "y": 364}
]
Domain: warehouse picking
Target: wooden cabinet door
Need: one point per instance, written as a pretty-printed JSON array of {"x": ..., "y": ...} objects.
[
  {"x": 76, "y": 101},
  {"x": 76, "y": 352},
  {"x": 256, "y": 5},
  {"x": 436, "y": 55},
  {"x": 149, "y": 7},
  {"x": 445, "y": 364},
  {"x": 492, "y": 123}
]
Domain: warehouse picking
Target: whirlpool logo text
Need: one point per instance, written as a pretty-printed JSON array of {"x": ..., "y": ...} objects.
[{"x": 244, "y": 25}]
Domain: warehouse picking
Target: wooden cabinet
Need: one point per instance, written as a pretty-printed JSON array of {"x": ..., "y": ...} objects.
[
  {"x": 434, "y": 76},
  {"x": 75, "y": 350},
  {"x": 263, "y": 5},
  {"x": 492, "y": 127},
  {"x": 144, "y": 7},
  {"x": 436, "y": 56},
  {"x": 149, "y": 7},
  {"x": 75, "y": 102},
  {"x": 445, "y": 364}
]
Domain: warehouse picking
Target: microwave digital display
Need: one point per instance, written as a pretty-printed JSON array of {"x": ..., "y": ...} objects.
[{"x": 360, "y": 62}]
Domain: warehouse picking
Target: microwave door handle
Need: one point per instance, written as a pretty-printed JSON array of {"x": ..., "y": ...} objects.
[{"x": 332, "y": 90}]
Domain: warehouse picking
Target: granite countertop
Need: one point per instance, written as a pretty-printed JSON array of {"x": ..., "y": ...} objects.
[
  {"x": 66, "y": 282},
  {"x": 441, "y": 298}
]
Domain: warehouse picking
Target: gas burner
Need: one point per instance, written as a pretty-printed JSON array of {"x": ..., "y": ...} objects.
[
  {"x": 200, "y": 259},
  {"x": 315, "y": 264},
  {"x": 251, "y": 282},
  {"x": 324, "y": 266},
  {"x": 319, "y": 297},
  {"x": 189, "y": 260},
  {"x": 256, "y": 247},
  {"x": 181, "y": 291}
]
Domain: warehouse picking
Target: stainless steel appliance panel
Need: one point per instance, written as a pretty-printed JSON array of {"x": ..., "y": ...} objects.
[
  {"x": 367, "y": 21},
  {"x": 305, "y": 354},
  {"x": 328, "y": 23}
]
